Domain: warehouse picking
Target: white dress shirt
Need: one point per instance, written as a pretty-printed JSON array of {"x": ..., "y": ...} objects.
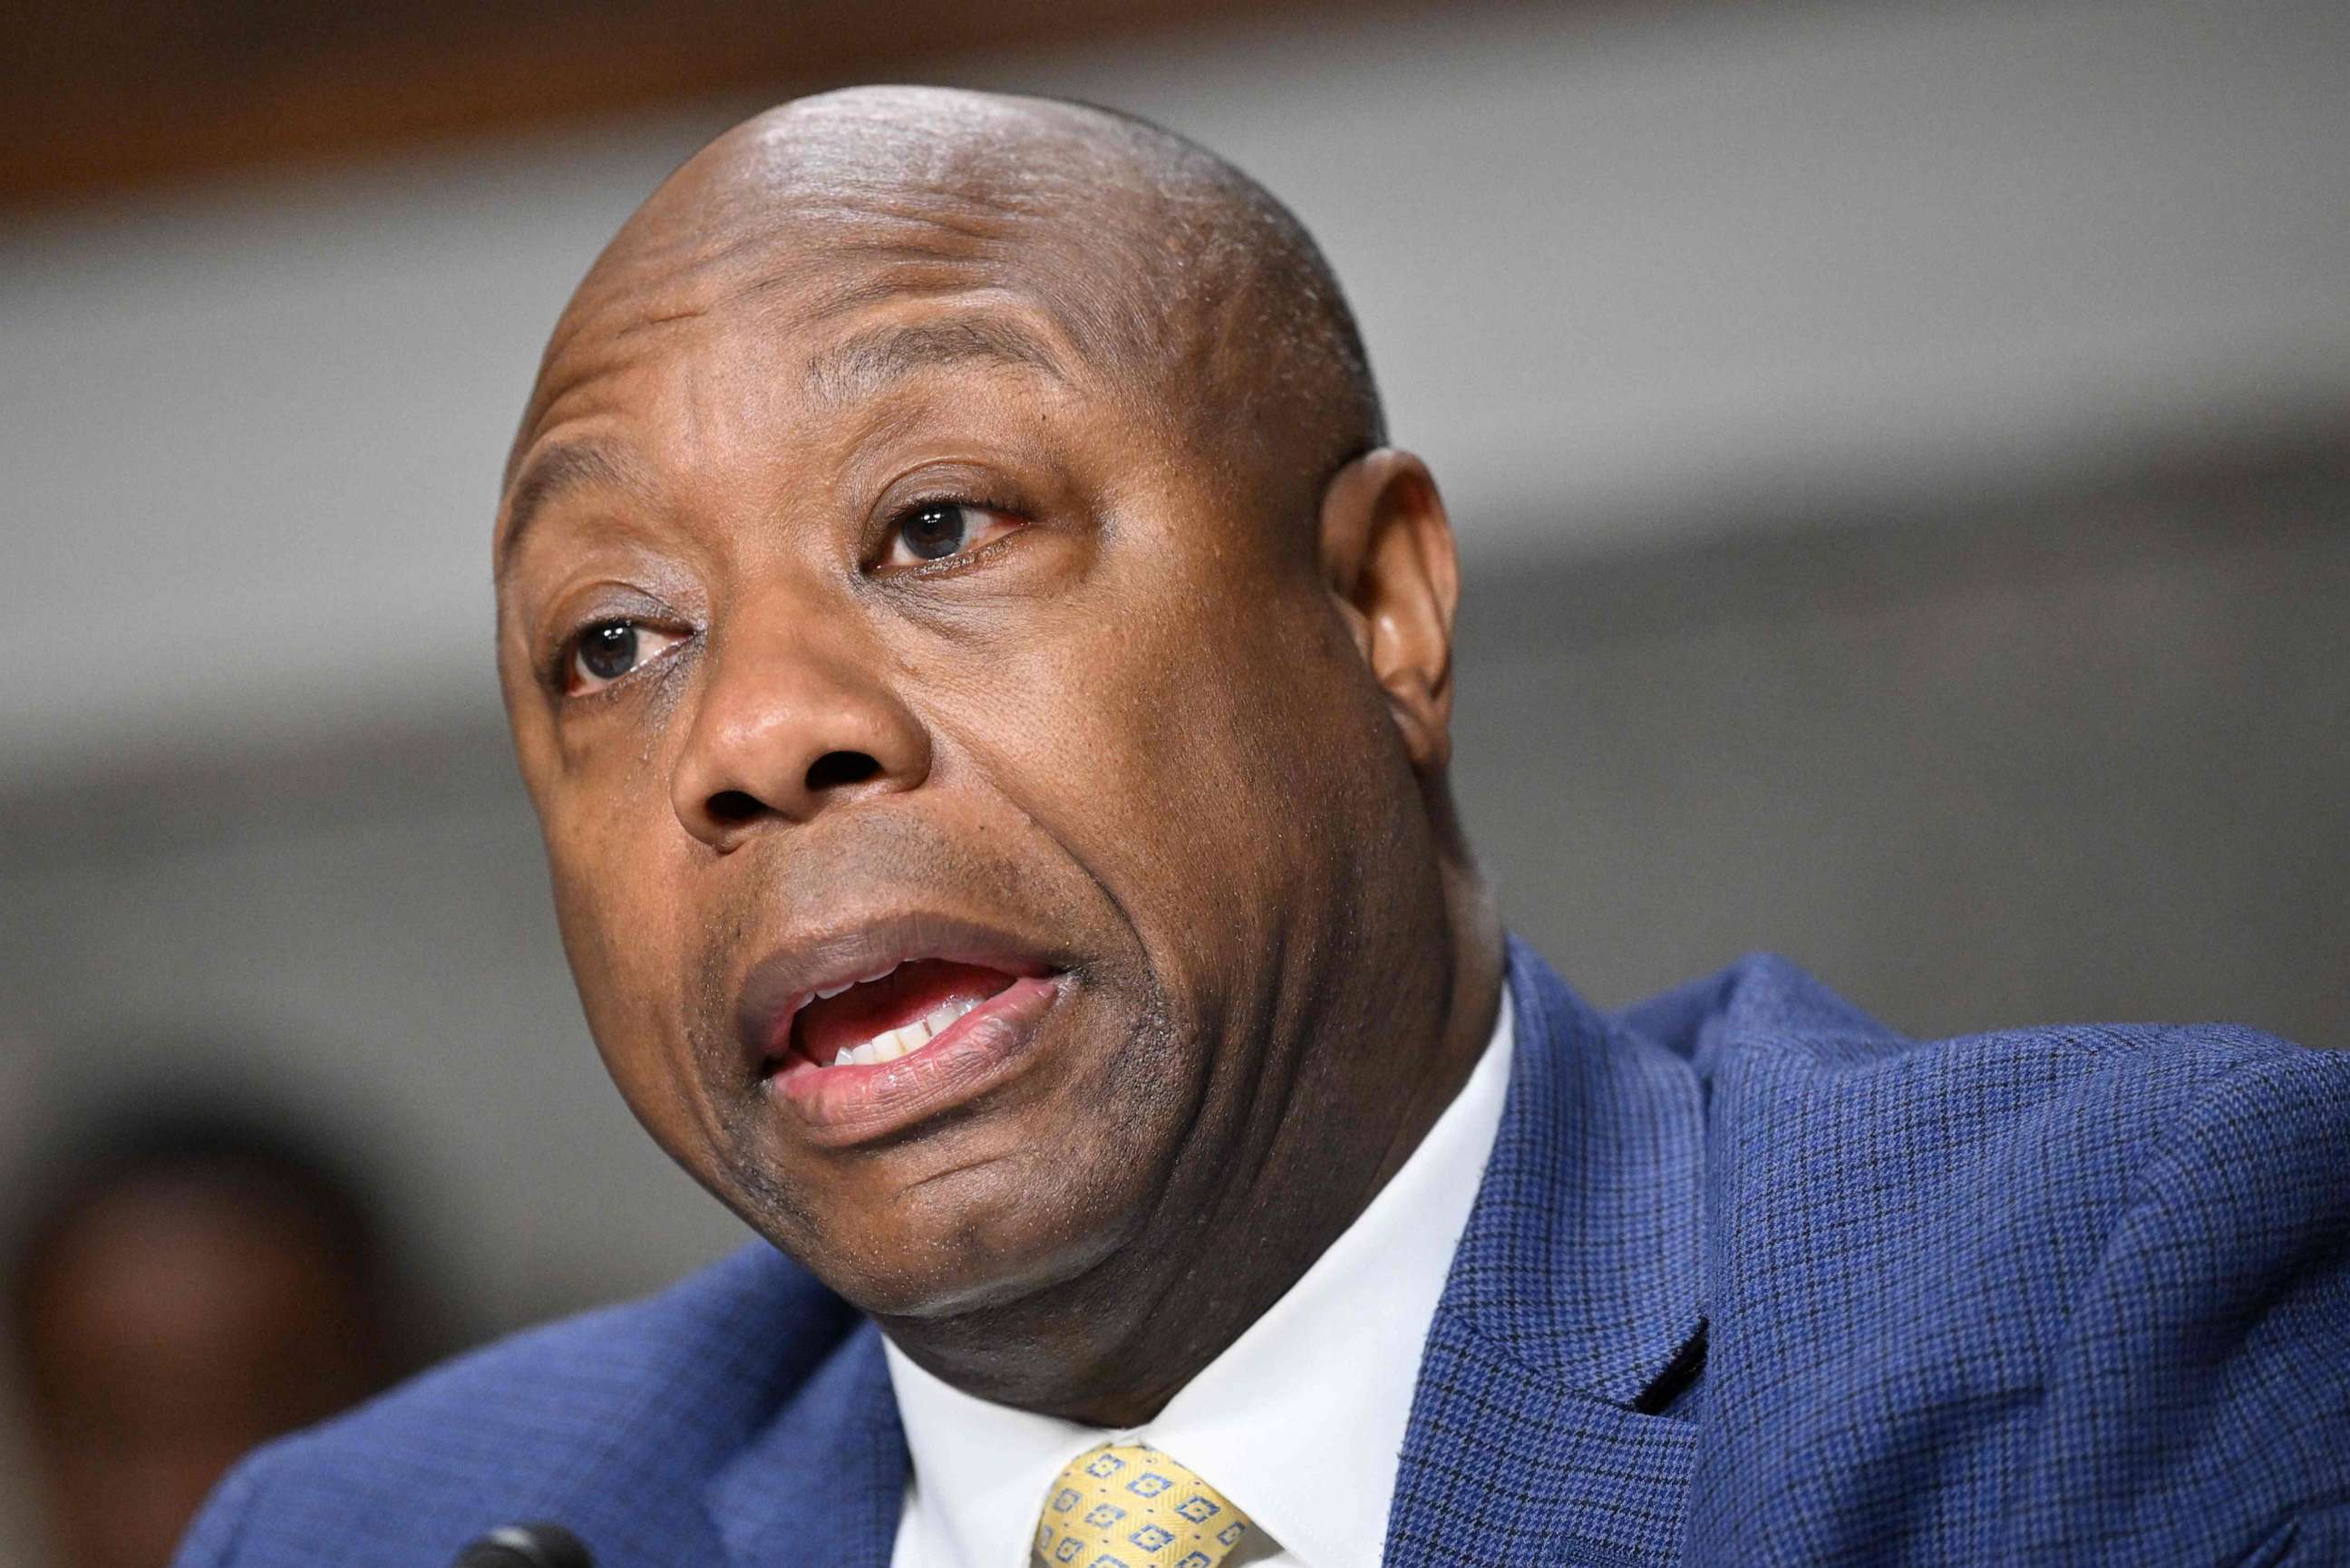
[{"x": 1300, "y": 1422}]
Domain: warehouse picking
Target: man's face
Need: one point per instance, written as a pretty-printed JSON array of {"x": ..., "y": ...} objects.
[{"x": 868, "y": 629}]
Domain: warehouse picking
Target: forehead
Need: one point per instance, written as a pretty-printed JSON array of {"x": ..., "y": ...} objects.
[
  {"x": 790, "y": 225},
  {"x": 809, "y": 308},
  {"x": 667, "y": 404}
]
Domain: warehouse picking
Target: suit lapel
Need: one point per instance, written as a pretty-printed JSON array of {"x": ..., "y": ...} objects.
[
  {"x": 822, "y": 1486},
  {"x": 1572, "y": 1310}
]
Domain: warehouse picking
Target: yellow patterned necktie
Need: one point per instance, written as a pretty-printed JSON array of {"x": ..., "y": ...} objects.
[{"x": 1126, "y": 1505}]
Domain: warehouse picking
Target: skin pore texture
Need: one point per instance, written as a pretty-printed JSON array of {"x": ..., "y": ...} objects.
[{"x": 957, "y": 527}]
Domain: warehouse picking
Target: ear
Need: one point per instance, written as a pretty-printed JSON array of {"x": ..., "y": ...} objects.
[{"x": 1388, "y": 557}]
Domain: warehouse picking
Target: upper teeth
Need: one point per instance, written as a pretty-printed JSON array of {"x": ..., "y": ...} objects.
[
  {"x": 861, "y": 979},
  {"x": 892, "y": 1043}
]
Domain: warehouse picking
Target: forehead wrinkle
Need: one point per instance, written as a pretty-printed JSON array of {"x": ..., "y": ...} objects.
[
  {"x": 989, "y": 332},
  {"x": 862, "y": 364},
  {"x": 578, "y": 357},
  {"x": 556, "y": 472},
  {"x": 788, "y": 238},
  {"x": 924, "y": 239}
]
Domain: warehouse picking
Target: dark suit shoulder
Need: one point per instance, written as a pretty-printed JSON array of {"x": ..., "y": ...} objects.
[
  {"x": 2100, "y": 1272},
  {"x": 1780, "y": 1048},
  {"x": 612, "y": 1421},
  {"x": 2020, "y": 1162}
]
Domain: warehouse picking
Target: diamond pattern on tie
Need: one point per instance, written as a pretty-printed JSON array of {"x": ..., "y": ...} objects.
[{"x": 1130, "y": 1506}]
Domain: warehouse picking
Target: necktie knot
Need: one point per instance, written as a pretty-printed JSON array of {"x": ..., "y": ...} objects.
[{"x": 1127, "y": 1505}]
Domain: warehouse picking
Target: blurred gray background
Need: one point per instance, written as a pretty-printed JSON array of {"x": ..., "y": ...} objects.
[{"x": 1902, "y": 455}]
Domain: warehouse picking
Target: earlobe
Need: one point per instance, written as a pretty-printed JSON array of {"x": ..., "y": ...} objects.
[{"x": 1388, "y": 557}]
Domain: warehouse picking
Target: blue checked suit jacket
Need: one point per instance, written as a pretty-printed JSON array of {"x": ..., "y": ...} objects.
[{"x": 1751, "y": 1280}]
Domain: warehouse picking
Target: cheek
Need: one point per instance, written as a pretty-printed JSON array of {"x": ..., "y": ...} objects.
[
  {"x": 1189, "y": 756},
  {"x": 617, "y": 906}
]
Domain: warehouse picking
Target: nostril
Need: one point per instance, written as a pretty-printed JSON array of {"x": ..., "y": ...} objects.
[
  {"x": 833, "y": 769},
  {"x": 732, "y": 807}
]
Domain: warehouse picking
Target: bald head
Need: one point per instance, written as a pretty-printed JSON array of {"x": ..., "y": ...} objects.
[{"x": 1161, "y": 265}]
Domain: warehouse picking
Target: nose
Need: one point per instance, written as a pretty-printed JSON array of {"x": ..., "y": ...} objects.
[{"x": 785, "y": 732}]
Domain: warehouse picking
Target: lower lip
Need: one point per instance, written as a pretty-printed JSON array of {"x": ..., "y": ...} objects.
[{"x": 853, "y": 1104}]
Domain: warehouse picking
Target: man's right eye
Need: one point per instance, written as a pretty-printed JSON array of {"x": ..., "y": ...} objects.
[{"x": 609, "y": 649}]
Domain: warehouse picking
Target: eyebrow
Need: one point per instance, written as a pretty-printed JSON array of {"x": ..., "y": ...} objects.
[
  {"x": 862, "y": 364},
  {"x": 560, "y": 471}
]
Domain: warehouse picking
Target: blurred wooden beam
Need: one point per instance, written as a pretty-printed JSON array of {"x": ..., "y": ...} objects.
[{"x": 108, "y": 95}]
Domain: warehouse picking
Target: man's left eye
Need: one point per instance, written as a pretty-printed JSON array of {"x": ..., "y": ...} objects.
[{"x": 941, "y": 530}]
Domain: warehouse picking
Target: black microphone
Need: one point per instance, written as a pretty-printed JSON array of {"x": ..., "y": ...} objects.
[{"x": 526, "y": 1546}]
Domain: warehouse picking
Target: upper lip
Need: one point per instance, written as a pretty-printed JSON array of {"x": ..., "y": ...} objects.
[{"x": 780, "y": 984}]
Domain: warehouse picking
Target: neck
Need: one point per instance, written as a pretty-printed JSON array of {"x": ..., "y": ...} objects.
[{"x": 1232, "y": 1233}]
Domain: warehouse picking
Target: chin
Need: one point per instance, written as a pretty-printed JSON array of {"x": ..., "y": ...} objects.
[{"x": 974, "y": 1240}]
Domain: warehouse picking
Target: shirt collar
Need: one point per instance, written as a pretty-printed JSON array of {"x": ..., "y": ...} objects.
[{"x": 1301, "y": 1421}]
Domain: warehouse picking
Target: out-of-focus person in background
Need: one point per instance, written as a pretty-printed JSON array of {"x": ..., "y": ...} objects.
[{"x": 188, "y": 1283}]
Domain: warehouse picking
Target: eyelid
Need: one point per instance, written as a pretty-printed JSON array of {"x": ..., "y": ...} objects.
[{"x": 648, "y": 593}]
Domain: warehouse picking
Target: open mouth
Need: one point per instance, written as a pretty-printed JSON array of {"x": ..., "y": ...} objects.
[
  {"x": 872, "y": 1029},
  {"x": 862, "y": 1024}
]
